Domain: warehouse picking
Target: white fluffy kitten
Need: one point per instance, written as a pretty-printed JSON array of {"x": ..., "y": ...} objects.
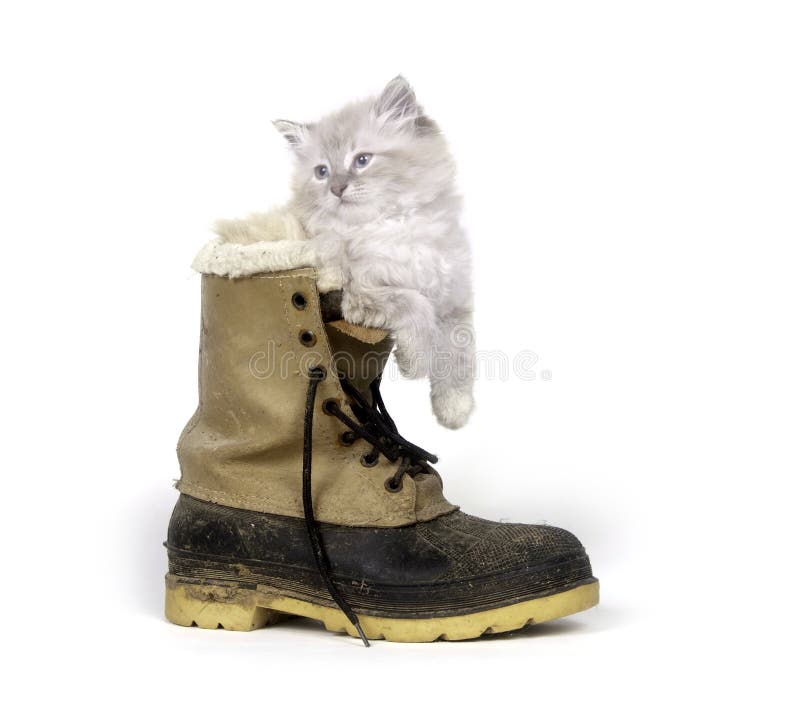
[{"x": 374, "y": 189}]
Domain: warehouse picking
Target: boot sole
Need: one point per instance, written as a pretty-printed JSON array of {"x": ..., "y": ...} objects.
[{"x": 243, "y": 609}]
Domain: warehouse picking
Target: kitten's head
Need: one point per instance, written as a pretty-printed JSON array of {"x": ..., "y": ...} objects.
[{"x": 378, "y": 157}]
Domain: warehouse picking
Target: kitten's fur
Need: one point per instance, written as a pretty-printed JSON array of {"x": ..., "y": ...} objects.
[{"x": 394, "y": 234}]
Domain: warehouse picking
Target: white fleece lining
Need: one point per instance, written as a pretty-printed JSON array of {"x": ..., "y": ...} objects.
[{"x": 241, "y": 260}]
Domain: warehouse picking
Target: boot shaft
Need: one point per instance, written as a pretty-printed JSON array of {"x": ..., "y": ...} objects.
[{"x": 243, "y": 446}]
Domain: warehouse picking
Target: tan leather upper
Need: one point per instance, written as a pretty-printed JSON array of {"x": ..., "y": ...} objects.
[{"x": 243, "y": 446}]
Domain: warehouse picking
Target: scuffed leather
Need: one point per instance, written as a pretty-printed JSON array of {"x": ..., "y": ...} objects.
[{"x": 243, "y": 446}]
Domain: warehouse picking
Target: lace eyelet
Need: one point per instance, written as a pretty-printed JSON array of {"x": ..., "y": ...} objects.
[
  {"x": 392, "y": 485},
  {"x": 347, "y": 438},
  {"x": 317, "y": 373},
  {"x": 308, "y": 338},
  {"x": 330, "y": 406},
  {"x": 369, "y": 460},
  {"x": 299, "y": 301}
]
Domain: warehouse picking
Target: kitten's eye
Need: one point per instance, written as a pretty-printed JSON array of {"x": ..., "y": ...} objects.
[
  {"x": 362, "y": 160},
  {"x": 321, "y": 172}
]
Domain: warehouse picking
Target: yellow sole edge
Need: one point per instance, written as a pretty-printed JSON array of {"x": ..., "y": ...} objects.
[{"x": 241, "y": 609}]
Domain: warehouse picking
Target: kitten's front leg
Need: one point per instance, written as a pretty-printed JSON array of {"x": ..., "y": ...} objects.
[
  {"x": 328, "y": 262},
  {"x": 407, "y": 314},
  {"x": 414, "y": 345},
  {"x": 330, "y": 277},
  {"x": 452, "y": 371}
]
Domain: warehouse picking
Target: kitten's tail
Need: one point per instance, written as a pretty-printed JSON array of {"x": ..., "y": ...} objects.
[{"x": 277, "y": 224}]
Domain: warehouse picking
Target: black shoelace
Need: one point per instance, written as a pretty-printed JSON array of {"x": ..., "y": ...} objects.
[{"x": 376, "y": 427}]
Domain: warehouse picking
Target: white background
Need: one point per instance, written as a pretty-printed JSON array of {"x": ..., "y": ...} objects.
[{"x": 631, "y": 177}]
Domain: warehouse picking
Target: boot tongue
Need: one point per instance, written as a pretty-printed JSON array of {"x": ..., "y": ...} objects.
[
  {"x": 360, "y": 353},
  {"x": 330, "y": 305},
  {"x": 368, "y": 335}
]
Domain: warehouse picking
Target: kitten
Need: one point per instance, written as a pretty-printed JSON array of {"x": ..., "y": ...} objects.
[{"x": 374, "y": 189}]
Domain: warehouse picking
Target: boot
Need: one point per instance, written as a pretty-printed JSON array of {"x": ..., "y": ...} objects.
[{"x": 300, "y": 497}]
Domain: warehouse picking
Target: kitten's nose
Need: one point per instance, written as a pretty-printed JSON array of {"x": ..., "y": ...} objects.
[{"x": 338, "y": 188}]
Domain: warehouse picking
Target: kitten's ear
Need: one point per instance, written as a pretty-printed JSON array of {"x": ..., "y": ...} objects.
[
  {"x": 294, "y": 132},
  {"x": 397, "y": 102}
]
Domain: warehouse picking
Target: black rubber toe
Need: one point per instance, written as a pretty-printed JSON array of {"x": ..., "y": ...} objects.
[{"x": 454, "y": 564}]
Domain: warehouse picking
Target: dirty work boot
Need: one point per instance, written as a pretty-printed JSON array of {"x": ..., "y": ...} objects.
[{"x": 300, "y": 497}]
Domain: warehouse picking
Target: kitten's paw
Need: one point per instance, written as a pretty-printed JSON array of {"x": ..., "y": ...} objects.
[
  {"x": 330, "y": 277},
  {"x": 357, "y": 312},
  {"x": 452, "y": 407}
]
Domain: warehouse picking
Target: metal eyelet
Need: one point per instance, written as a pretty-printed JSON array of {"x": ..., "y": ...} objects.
[
  {"x": 392, "y": 485},
  {"x": 317, "y": 373},
  {"x": 330, "y": 406},
  {"x": 308, "y": 338},
  {"x": 369, "y": 460},
  {"x": 299, "y": 301},
  {"x": 347, "y": 438}
]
